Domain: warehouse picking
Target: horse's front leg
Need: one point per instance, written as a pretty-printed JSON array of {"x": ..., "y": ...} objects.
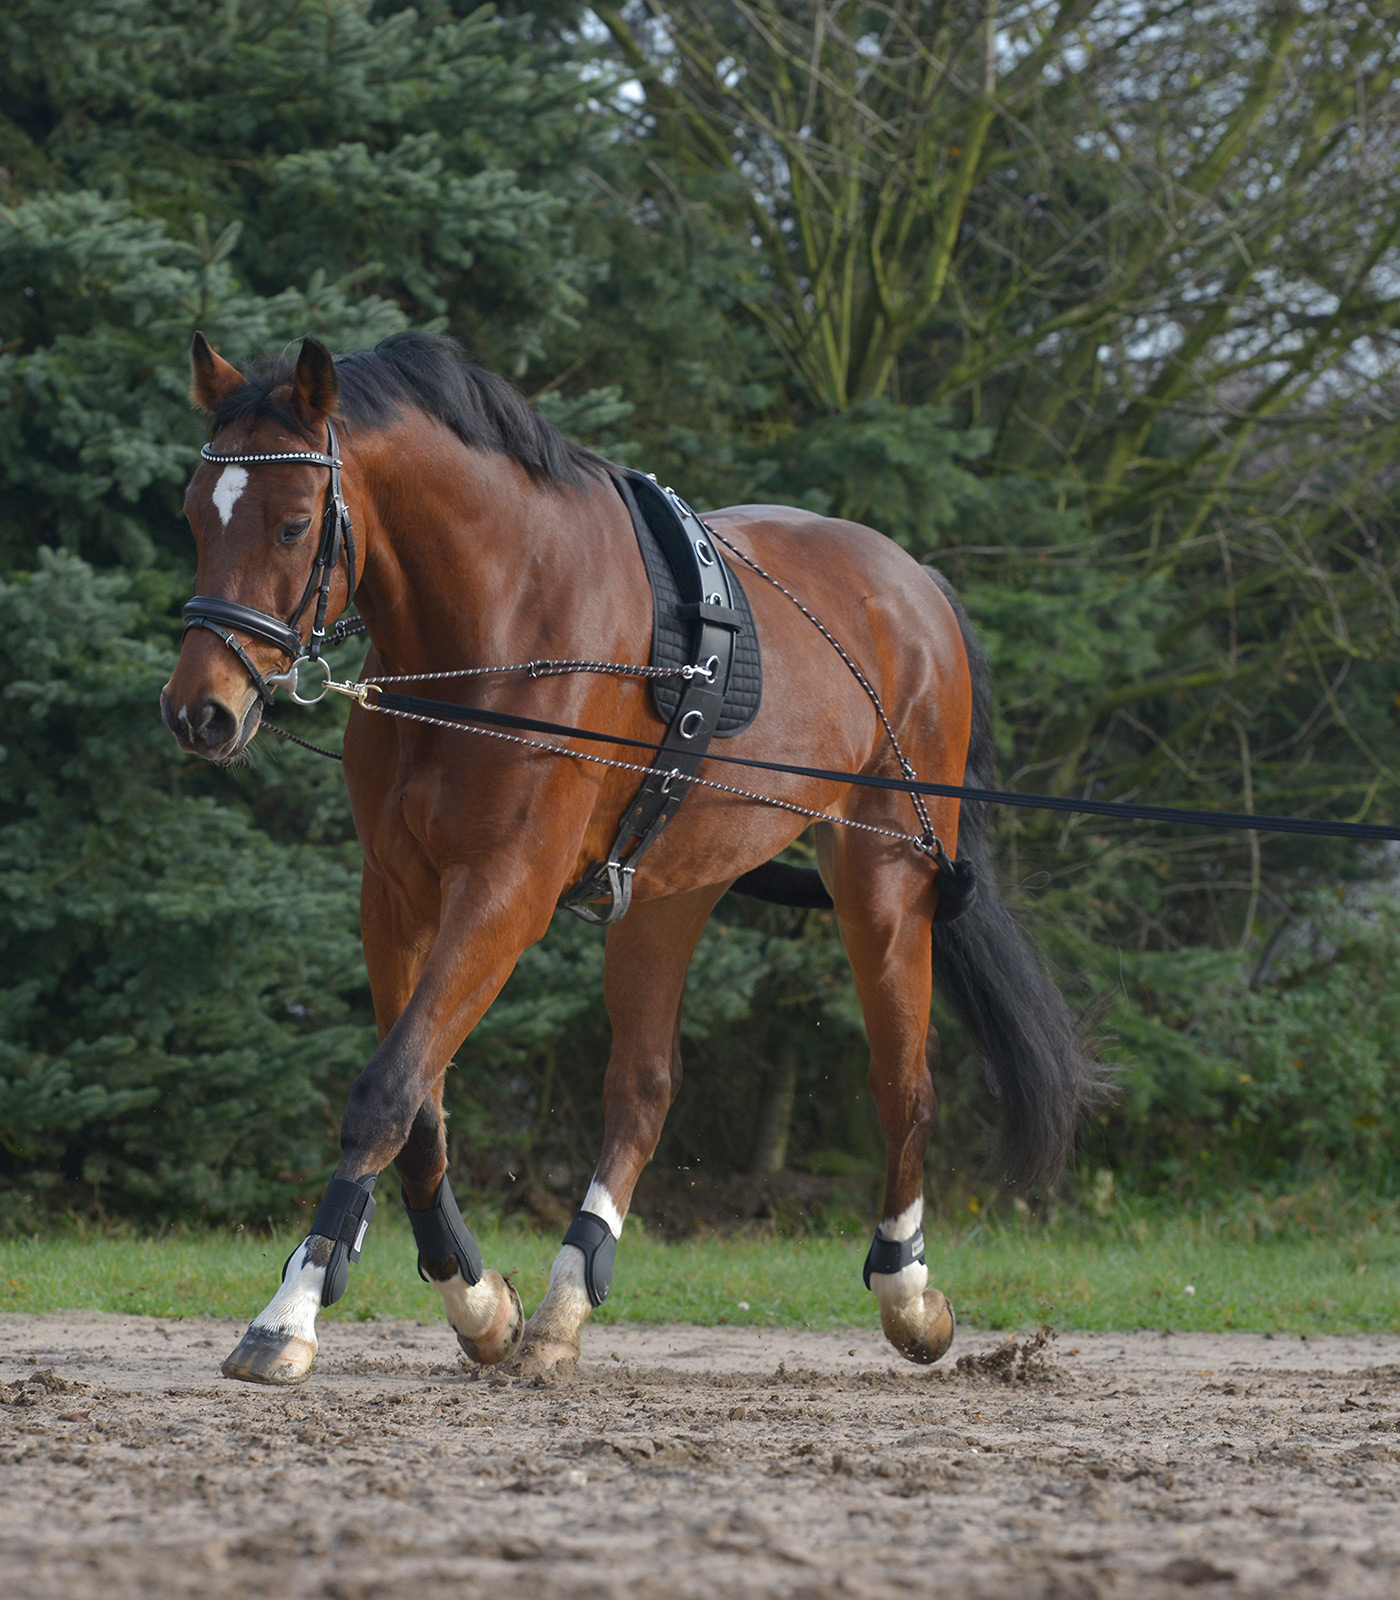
[
  {"x": 480, "y": 939},
  {"x": 644, "y": 978}
]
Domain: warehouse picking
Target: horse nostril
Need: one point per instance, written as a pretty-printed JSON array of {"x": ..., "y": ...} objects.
[{"x": 212, "y": 724}]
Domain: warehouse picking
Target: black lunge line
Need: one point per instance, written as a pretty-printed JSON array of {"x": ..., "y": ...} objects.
[{"x": 447, "y": 714}]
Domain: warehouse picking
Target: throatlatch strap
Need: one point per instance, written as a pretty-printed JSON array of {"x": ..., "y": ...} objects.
[
  {"x": 589, "y": 1233},
  {"x": 441, "y": 1235},
  {"x": 344, "y": 1217},
  {"x": 889, "y": 1256}
]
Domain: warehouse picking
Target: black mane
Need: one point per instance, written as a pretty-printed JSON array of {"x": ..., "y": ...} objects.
[{"x": 424, "y": 372}]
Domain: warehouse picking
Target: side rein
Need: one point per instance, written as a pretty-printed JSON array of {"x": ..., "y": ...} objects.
[{"x": 337, "y": 532}]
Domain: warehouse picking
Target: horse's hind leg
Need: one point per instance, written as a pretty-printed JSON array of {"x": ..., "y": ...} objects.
[
  {"x": 644, "y": 978},
  {"x": 884, "y": 903}
]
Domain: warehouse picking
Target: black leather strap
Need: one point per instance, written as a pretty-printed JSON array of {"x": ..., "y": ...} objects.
[
  {"x": 441, "y": 1235},
  {"x": 590, "y": 1234},
  {"x": 888, "y": 1256},
  {"x": 343, "y": 1217},
  {"x": 204, "y": 609},
  {"x": 708, "y": 602}
]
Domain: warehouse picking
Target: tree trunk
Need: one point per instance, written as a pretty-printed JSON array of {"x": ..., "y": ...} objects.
[{"x": 775, "y": 1115}]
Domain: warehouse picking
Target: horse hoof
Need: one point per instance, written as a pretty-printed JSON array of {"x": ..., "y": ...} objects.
[
  {"x": 546, "y": 1353},
  {"x": 263, "y": 1355},
  {"x": 502, "y": 1337},
  {"x": 922, "y": 1329}
]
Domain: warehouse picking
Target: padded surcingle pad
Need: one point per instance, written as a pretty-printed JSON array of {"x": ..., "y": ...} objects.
[{"x": 672, "y": 635}]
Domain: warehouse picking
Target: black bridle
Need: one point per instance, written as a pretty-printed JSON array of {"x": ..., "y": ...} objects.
[{"x": 219, "y": 616}]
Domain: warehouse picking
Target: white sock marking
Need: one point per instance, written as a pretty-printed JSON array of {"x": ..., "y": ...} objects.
[
  {"x": 566, "y": 1301},
  {"x": 232, "y": 482},
  {"x": 911, "y": 1281},
  {"x": 470, "y": 1308},
  {"x": 292, "y": 1310},
  {"x": 566, "y": 1305},
  {"x": 906, "y": 1224},
  {"x": 602, "y": 1204}
]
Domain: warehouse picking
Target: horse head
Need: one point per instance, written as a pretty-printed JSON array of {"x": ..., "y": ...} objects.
[{"x": 265, "y": 588}]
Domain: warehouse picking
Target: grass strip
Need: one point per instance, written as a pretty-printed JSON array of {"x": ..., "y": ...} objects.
[{"x": 1174, "y": 1274}]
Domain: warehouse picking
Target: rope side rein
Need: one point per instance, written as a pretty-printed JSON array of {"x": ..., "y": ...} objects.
[{"x": 370, "y": 694}]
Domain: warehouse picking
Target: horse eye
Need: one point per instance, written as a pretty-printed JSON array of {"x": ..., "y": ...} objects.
[{"x": 292, "y": 531}]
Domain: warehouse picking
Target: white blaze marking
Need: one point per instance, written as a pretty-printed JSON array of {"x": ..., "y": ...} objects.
[
  {"x": 910, "y": 1283},
  {"x": 232, "y": 482},
  {"x": 292, "y": 1310}
]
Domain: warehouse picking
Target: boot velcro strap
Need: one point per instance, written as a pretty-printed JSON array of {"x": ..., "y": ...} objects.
[
  {"x": 441, "y": 1235},
  {"x": 589, "y": 1233},
  {"x": 888, "y": 1256},
  {"x": 344, "y": 1214}
]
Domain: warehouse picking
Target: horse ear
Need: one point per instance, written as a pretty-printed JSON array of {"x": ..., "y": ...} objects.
[
  {"x": 212, "y": 379},
  {"x": 314, "y": 385}
]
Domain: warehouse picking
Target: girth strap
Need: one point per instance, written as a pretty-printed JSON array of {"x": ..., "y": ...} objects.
[
  {"x": 441, "y": 1235},
  {"x": 343, "y": 1217},
  {"x": 709, "y": 606},
  {"x": 888, "y": 1256},
  {"x": 590, "y": 1234}
]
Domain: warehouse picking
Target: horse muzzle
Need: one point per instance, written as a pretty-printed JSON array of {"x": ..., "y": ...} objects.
[{"x": 210, "y": 727}]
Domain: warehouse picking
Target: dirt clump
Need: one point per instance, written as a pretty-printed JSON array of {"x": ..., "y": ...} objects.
[
  {"x": 37, "y": 1387},
  {"x": 1015, "y": 1361}
]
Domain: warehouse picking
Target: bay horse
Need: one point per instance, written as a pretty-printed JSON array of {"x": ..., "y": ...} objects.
[{"x": 477, "y": 535}]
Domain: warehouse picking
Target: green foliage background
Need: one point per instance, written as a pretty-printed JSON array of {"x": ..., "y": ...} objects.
[{"x": 1165, "y": 487}]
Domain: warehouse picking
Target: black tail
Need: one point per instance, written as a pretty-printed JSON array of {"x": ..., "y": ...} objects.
[{"x": 996, "y": 983}]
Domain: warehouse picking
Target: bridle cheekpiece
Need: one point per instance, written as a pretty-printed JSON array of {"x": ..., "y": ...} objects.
[{"x": 337, "y": 532}]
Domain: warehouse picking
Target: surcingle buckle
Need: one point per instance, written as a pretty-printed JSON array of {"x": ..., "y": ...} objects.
[{"x": 613, "y": 878}]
